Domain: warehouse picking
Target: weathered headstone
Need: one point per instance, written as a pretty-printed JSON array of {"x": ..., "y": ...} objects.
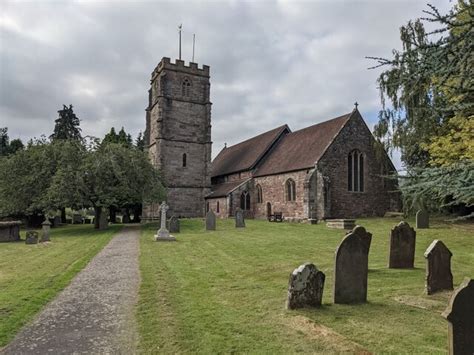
[
  {"x": 402, "y": 246},
  {"x": 31, "y": 237},
  {"x": 10, "y": 231},
  {"x": 351, "y": 267},
  {"x": 210, "y": 221},
  {"x": 76, "y": 219},
  {"x": 174, "y": 225},
  {"x": 438, "y": 268},
  {"x": 239, "y": 219},
  {"x": 422, "y": 219},
  {"x": 163, "y": 234},
  {"x": 305, "y": 288},
  {"x": 56, "y": 221},
  {"x": 103, "y": 220},
  {"x": 45, "y": 237},
  {"x": 460, "y": 314}
]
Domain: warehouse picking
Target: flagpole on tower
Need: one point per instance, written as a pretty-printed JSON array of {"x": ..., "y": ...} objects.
[
  {"x": 180, "y": 27},
  {"x": 194, "y": 41}
]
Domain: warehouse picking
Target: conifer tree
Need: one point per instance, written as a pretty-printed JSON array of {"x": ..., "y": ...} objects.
[{"x": 67, "y": 125}]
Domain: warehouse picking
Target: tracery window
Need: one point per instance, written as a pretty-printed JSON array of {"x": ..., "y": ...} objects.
[
  {"x": 259, "y": 194},
  {"x": 355, "y": 171},
  {"x": 186, "y": 87},
  {"x": 290, "y": 187},
  {"x": 245, "y": 201}
]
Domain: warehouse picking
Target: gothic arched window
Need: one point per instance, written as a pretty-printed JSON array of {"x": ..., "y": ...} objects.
[
  {"x": 245, "y": 201},
  {"x": 290, "y": 187},
  {"x": 259, "y": 194},
  {"x": 355, "y": 171},
  {"x": 184, "y": 160},
  {"x": 186, "y": 87}
]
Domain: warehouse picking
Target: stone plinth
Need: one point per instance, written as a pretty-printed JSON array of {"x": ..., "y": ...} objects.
[{"x": 347, "y": 224}]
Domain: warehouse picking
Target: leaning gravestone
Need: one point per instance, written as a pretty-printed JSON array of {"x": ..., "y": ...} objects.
[
  {"x": 422, "y": 219},
  {"x": 438, "y": 268},
  {"x": 352, "y": 266},
  {"x": 239, "y": 219},
  {"x": 305, "y": 288},
  {"x": 460, "y": 314},
  {"x": 174, "y": 225},
  {"x": 46, "y": 230},
  {"x": 210, "y": 221},
  {"x": 31, "y": 237},
  {"x": 402, "y": 247}
]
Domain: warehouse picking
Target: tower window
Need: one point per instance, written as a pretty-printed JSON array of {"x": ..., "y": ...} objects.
[
  {"x": 290, "y": 187},
  {"x": 184, "y": 160},
  {"x": 186, "y": 87},
  {"x": 355, "y": 171},
  {"x": 245, "y": 201},
  {"x": 259, "y": 194},
  {"x": 217, "y": 207}
]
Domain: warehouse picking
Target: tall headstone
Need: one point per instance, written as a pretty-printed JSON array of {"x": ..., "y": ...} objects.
[
  {"x": 210, "y": 221},
  {"x": 305, "y": 288},
  {"x": 351, "y": 267},
  {"x": 9, "y": 231},
  {"x": 163, "y": 234},
  {"x": 239, "y": 219},
  {"x": 174, "y": 225},
  {"x": 422, "y": 219},
  {"x": 45, "y": 233},
  {"x": 31, "y": 237},
  {"x": 438, "y": 268},
  {"x": 460, "y": 314},
  {"x": 103, "y": 219},
  {"x": 402, "y": 246}
]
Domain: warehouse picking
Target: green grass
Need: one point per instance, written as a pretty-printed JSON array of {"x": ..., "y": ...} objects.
[
  {"x": 225, "y": 291},
  {"x": 31, "y": 275}
]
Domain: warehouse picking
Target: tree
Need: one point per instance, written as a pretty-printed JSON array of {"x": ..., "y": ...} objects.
[
  {"x": 140, "y": 142},
  {"x": 4, "y": 141},
  {"x": 110, "y": 137},
  {"x": 427, "y": 84},
  {"x": 16, "y": 145},
  {"x": 67, "y": 125}
]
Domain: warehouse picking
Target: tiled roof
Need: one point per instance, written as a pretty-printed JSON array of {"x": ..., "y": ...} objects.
[
  {"x": 225, "y": 188},
  {"x": 245, "y": 155},
  {"x": 301, "y": 149}
]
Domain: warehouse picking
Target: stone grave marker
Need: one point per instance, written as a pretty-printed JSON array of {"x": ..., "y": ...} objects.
[
  {"x": 103, "y": 220},
  {"x": 438, "y": 268},
  {"x": 56, "y": 221},
  {"x": 31, "y": 237},
  {"x": 460, "y": 315},
  {"x": 422, "y": 219},
  {"x": 10, "y": 231},
  {"x": 305, "y": 288},
  {"x": 45, "y": 233},
  {"x": 402, "y": 247},
  {"x": 210, "y": 221},
  {"x": 351, "y": 267},
  {"x": 163, "y": 234},
  {"x": 174, "y": 225},
  {"x": 239, "y": 219}
]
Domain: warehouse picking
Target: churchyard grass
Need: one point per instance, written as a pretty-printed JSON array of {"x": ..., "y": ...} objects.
[
  {"x": 31, "y": 275},
  {"x": 224, "y": 291}
]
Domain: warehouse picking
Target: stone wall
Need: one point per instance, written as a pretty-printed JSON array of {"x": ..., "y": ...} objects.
[{"x": 222, "y": 211}]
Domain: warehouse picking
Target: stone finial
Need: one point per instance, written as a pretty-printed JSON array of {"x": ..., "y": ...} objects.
[
  {"x": 351, "y": 267},
  {"x": 438, "y": 268},
  {"x": 460, "y": 315},
  {"x": 402, "y": 246},
  {"x": 305, "y": 287}
]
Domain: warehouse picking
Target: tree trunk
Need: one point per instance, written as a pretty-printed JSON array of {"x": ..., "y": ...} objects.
[
  {"x": 63, "y": 215},
  {"x": 98, "y": 212},
  {"x": 137, "y": 211},
  {"x": 113, "y": 214}
]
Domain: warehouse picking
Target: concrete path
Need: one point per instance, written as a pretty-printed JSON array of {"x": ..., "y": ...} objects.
[{"x": 95, "y": 313}]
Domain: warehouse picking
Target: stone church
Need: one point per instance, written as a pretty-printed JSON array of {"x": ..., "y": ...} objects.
[{"x": 328, "y": 170}]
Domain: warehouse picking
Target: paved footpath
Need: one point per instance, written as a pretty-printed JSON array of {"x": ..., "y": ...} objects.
[{"x": 95, "y": 313}]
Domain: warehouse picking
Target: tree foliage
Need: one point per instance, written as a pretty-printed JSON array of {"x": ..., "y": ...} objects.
[
  {"x": 67, "y": 125},
  {"x": 7, "y": 147},
  {"x": 428, "y": 92}
]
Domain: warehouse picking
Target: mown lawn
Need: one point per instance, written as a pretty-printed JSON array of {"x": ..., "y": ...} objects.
[
  {"x": 31, "y": 275},
  {"x": 225, "y": 291}
]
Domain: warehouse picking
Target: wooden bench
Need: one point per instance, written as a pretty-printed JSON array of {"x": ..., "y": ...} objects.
[{"x": 276, "y": 217}]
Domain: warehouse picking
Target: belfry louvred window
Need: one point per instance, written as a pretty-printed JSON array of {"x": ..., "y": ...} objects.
[
  {"x": 186, "y": 87},
  {"x": 355, "y": 171}
]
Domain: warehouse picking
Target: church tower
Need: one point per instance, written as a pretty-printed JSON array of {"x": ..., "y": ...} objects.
[{"x": 178, "y": 134}]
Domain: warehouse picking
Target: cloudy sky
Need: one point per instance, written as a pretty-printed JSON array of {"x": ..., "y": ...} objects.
[{"x": 272, "y": 62}]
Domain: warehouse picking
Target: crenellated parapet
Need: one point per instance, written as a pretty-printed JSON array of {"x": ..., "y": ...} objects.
[{"x": 180, "y": 66}]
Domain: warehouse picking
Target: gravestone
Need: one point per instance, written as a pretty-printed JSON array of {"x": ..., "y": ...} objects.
[
  {"x": 45, "y": 237},
  {"x": 438, "y": 268},
  {"x": 174, "y": 225},
  {"x": 31, "y": 237},
  {"x": 56, "y": 221},
  {"x": 239, "y": 219},
  {"x": 10, "y": 231},
  {"x": 460, "y": 314},
  {"x": 305, "y": 288},
  {"x": 76, "y": 219},
  {"x": 351, "y": 269},
  {"x": 163, "y": 234},
  {"x": 103, "y": 220},
  {"x": 422, "y": 219},
  {"x": 210, "y": 221},
  {"x": 402, "y": 247}
]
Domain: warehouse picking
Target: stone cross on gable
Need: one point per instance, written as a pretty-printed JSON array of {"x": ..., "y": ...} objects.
[{"x": 163, "y": 208}]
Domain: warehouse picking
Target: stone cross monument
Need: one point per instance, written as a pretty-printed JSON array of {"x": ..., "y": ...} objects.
[{"x": 163, "y": 234}]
